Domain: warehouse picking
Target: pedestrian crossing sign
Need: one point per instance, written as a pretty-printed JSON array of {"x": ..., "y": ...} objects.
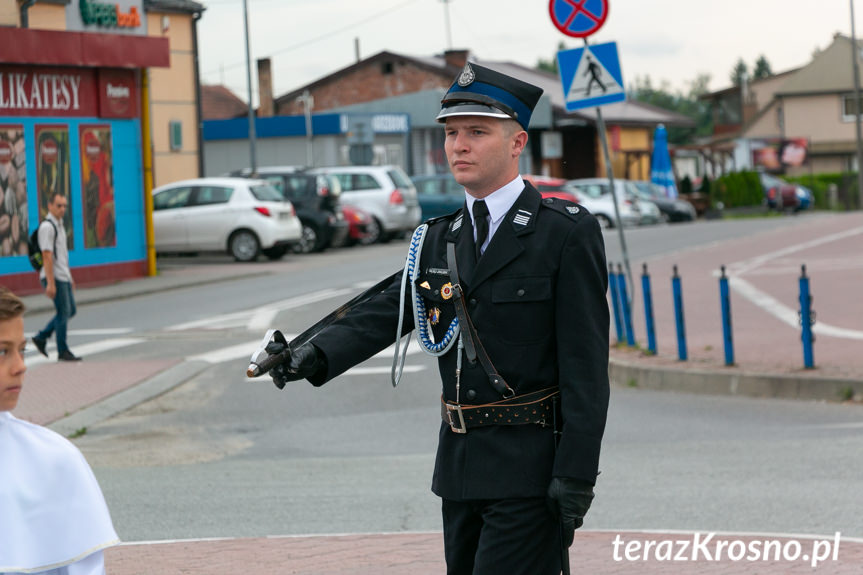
[{"x": 591, "y": 76}]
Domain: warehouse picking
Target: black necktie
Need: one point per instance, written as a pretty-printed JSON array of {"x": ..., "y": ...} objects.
[{"x": 480, "y": 220}]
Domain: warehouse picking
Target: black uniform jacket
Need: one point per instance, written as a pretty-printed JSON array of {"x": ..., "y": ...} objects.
[{"x": 537, "y": 299}]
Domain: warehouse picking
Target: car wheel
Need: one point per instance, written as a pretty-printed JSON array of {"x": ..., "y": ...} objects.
[
  {"x": 275, "y": 253},
  {"x": 244, "y": 246},
  {"x": 373, "y": 233},
  {"x": 309, "y": 240},
  {"x": 604, "y": 221}
]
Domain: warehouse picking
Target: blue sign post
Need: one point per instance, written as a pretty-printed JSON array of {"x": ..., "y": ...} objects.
[{"x": 591, "y": 76}]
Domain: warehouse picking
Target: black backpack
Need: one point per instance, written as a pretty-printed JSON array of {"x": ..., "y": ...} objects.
[{"x": 33, "y": 251}]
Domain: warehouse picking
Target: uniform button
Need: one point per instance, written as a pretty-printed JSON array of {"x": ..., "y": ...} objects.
[
  {"x": 471, "y": 395},
  {"x": 520, "y": 292},
  {"x": 547, "y": 201},
  {"x": 472, "y": 301}
]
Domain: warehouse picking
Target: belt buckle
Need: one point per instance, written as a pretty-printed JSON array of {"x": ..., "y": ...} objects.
[{"x": 457, "y": 408}]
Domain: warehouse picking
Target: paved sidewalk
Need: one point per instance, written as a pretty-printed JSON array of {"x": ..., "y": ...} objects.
[{"x": 593, "y": 552}]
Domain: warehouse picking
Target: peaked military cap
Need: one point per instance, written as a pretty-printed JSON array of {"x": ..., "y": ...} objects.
[{"x": 480, "y": 91}]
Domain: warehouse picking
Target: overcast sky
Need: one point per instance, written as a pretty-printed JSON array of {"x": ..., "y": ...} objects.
[{"x": 667, "y": 40}]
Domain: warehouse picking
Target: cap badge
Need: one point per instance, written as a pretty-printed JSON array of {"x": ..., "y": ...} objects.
[{"x": 467, "y": 76}]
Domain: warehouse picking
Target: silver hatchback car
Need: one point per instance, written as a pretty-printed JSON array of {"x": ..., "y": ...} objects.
[{"x": 385, "y": 192}]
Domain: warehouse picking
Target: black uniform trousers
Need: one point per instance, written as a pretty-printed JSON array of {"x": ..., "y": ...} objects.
[{"x": 500, "y": 537}]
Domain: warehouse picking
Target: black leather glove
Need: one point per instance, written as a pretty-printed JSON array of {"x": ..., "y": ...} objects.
[
  {"x": 569, "y": 499},
  {"x": 305, "y": 362}
]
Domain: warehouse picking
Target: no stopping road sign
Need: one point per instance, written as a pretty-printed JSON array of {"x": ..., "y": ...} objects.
[{"x": 578, "y": 18}]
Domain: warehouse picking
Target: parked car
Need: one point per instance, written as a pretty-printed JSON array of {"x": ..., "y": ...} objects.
[
  {"x": 805, "y": 199},
  {"x": 672, "y": 209},
  {"x": 243, "y": 216},
  {"x": 385, "y": 192},
  {"x": 316, "y": 199},
  {"x": 550, "y": 187},
  {"x": 594, "y": 194},
  {"x": 438, "y": 195},
  {"x": 778, "y": 194},
  {"x": 359, "y": 223}
]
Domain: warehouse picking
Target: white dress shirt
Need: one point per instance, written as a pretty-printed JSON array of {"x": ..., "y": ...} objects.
[{"x": 498, "y": 202}]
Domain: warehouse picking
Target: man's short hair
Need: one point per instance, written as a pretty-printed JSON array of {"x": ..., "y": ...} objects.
[{"x": 11, "y": 305}]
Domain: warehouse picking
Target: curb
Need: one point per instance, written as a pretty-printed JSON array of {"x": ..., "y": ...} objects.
[
  {"x": 128, "y": 398},
  {"x": 717, "y": 382}
]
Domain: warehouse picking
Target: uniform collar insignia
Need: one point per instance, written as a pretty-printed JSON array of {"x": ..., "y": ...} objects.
[
  {"x": 457, "y": 223},
  {"x": 572, "y": 209},
  {"x": 522, "y": 218},
  {"x": 467, "y": 76}
]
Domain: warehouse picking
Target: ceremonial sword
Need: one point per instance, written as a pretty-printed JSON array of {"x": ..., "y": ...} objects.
[{"x": 261, "y": 362}]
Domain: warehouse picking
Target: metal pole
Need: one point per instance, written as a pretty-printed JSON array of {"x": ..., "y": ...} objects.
[
  {"x": 448, "y": 32},
  {"x": 725, "y": 302},
  {"x": 600, "y": 123},
  {"x": 624, "y": 305},
  {"x": 648, "y": 310},
  {"x": 854, "y": 57},
  {"x": 615, "y": 303},
  {"x": 308, "y": 102},
  {"x": 806, "y": 319},
  {"x": 678, "y": 315},
  {"x": 252, "y": 144}
]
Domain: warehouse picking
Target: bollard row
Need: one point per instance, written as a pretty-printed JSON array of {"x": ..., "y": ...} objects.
[{"x": 621, "y": 307}]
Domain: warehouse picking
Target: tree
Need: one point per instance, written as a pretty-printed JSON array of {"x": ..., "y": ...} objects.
[
  {"x": 762, "y": 68},
  {"x": 688, "y": 104},
  {"x": 550, "y": 65},
  {"x": 740, "y": 69}
]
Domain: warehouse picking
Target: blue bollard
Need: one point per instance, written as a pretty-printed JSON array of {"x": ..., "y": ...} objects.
[
  {"x": 807, "y": 319},
  {"x": 615, "y": 303},
  {"x": 677, "y": 290},
  {"x": 725, "y": 298},
  {"x": 624, "y": 305},
  {"x": 648, "y": 310}
]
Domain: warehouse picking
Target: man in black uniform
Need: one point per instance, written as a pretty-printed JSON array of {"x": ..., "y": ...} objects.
[{"x": 526, "y": 352}]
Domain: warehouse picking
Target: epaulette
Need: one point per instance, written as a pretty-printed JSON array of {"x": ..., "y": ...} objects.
[
  {"x": 446, "y": 218},
  {"x": 566, "y": 207}
]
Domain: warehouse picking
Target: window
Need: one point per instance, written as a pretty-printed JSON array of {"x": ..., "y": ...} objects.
[
  {"x": 849, "y": 110},
  {"x": 353, "y": 182},
  {"x": 170, "y": 199},
  {"x": 427, "y": 187},
  {"x": 266, "y": 193},
  {"x": 276, "y": 182},
  {"x": 299, "y": 187},
  {"x": 212, "y": 195},
  {"x": 175, "y": 133}
]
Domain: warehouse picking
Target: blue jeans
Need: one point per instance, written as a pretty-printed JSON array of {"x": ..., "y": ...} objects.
[{"x": 64, "y": 304}]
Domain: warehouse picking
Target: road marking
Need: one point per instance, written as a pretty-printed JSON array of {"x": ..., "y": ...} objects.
[
  {"x": 259, "y": 318},
  {"x": 784, "y": 313},
  {"x": 89, "y": 349},
  {"x": 740, "y": 268},
  {"x": 381, "y": 370},
  {"x": 773, "y": 306}
]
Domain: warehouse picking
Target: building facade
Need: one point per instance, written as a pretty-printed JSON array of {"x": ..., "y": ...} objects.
[{"x": 83, "y": 85}]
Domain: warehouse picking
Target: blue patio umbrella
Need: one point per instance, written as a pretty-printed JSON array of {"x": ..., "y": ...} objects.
[{"x": 661, "y": 173}]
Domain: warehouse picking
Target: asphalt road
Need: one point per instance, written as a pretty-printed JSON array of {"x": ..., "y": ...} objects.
[{"x": 221, "y": 456}]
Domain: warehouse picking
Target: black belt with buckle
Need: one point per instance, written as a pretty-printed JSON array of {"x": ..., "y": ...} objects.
[{"x": 535, "y": 407}]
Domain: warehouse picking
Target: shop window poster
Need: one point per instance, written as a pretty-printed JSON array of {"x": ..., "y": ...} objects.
[
  {"x": 97, "y": 186},
  {"x": 13, "y": 192},
  {"x": 52, "y": 172}
]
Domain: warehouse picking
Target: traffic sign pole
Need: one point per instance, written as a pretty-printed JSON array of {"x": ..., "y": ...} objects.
[{"x": 600, "y": 123}]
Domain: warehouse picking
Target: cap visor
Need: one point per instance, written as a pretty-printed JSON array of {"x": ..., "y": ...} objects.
[{"x": 471, "y": 110}]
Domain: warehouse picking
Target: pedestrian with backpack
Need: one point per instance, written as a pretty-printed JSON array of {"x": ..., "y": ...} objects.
[{"x": 56, "y": 278}]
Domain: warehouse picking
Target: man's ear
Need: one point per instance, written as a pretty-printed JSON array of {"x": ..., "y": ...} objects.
[{"x": 519, "y": 141}]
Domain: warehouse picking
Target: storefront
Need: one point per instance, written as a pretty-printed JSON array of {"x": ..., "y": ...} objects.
[{"x": 71, "y": 122}]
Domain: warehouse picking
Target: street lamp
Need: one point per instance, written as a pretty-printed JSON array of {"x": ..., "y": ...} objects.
[
  {"x": 855, "y": 54},
  {"x": 252, "y": 154}
]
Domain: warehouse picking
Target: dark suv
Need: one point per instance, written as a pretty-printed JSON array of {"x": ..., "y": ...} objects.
[{"x": 316, "y": 199}]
